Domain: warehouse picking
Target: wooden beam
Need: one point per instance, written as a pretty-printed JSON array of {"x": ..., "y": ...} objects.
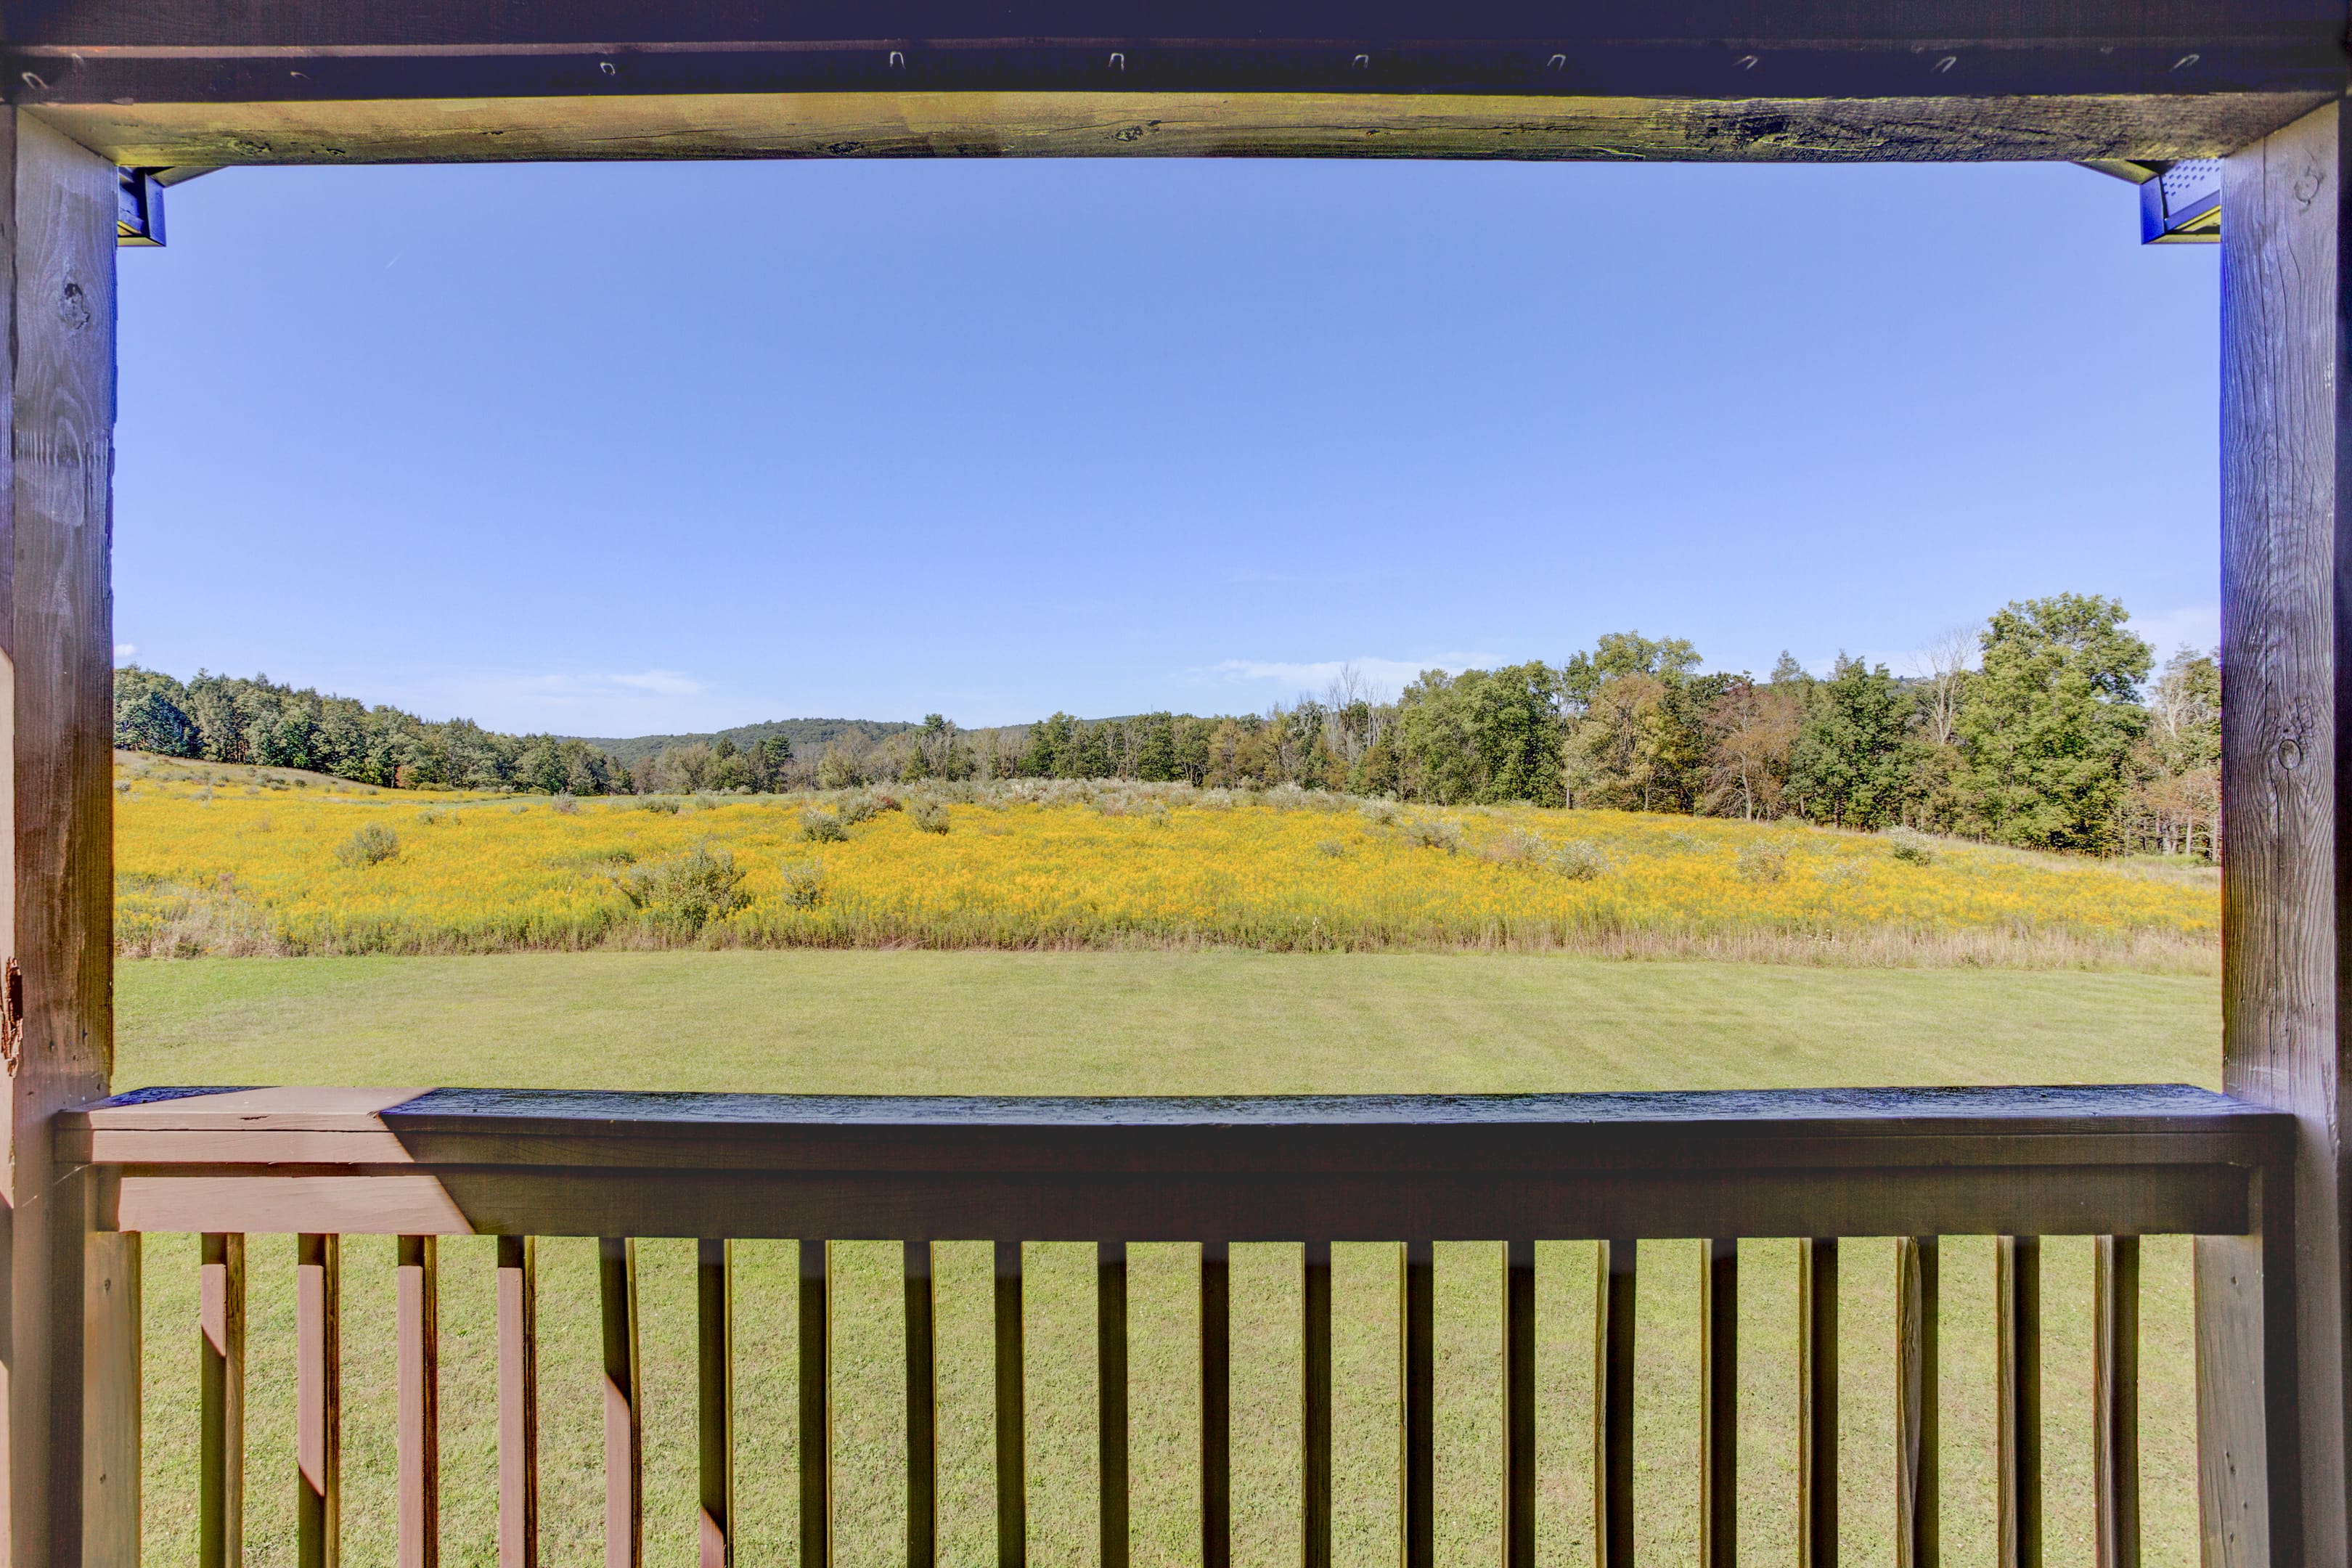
[
  {"x": 1113, "y": 122},
  {"x": 2286, "y": 632},
  {"x": 57, "y": 380}
]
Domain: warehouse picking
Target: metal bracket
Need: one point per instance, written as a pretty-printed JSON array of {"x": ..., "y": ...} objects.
[{"x": 2179, "y": 201}]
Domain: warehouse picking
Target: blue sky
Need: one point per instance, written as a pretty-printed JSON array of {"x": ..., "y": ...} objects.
[{"x": 609, "y": 449}]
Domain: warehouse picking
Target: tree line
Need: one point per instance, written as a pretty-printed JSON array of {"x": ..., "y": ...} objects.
[{"x": 2043, "y": 729}]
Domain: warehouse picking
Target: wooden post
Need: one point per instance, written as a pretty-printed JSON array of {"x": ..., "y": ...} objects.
[
  {"x": 57, "y": 649},
  {"x": 2273, "y": 1320},
  {"x": 220, "y": 1421},
  {"x": 113, "y": 1327},
  {"x": 714, "y": 1296},
  {"x": 517, "y": 1402},
  {"x": 418, "y": 1310},
  {"x": 624, "y": 1408},
  {"x": 317, "y": 1401}
]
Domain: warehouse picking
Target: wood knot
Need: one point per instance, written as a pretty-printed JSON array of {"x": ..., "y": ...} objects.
[
  {"x": 12, "y": 1017},
  {"x": 2290, "y": 753},
  {"x": 73, "y": 307}
]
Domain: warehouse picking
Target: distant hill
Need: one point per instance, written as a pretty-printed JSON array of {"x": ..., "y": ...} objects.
[{"x": 809, "y": 736}]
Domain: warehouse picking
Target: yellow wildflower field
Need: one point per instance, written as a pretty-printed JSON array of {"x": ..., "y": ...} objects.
[{"x": 232, "y": 860}]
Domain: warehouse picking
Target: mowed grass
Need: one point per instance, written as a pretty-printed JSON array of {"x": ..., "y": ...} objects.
[{"x": 1216, "y": 1021}]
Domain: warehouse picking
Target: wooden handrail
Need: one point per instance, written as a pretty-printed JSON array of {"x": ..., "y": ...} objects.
[{"x": 2079, "y": 1160}]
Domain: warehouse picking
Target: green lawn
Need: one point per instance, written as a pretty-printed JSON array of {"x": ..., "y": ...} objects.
[{"x": 1155, "y": 1023}]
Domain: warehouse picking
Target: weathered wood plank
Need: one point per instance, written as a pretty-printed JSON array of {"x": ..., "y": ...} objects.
[
  {"x": 57, "y": 1021},
  {"x": 714, "y": 1302},
  {"x": 624, "y": 1438},
  {"x": 1110, "y": 1403},
  {"x": 1011, "y": 1415},
  {"x": 317, "y": 1401},
  {"x": 922, "y": 1408},
  {"x": 2017, "y": 1289},
  {"x": 113, "y": 1332},
  {"x": 2114, "y": 1401},
  {"x": 517, "y": 1402},
  {"x": 1718, "y": 1402},
  {"x": 1216, "y": 1406},
  {"x": 220, "y": 1422},
  {"x": 417, "y": 1309},
  {"x": 1817, "y": 1402},
  {"x": 1612, "y": 1398},
  {"x": 2285, "y": 543},
  {"x": 464, "y": 127},
  {"x": 1918, "y": 1498}
]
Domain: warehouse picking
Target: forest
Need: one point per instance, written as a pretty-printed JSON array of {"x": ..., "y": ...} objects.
[{"x": 2049, "y": 728}]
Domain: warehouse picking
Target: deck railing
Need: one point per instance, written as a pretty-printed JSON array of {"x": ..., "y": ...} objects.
[{"x": 2019, "y": 1164}]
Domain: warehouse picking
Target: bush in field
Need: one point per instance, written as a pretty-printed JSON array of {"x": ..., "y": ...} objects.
[
  {"x": 1432, "y": 833},
  {"x": 1910, "y": 847},
  {"x": 1579, "y": 861},
  {"x": 804, "y": 884},
  {"x": 819, "y": 826},
  {"x": 565, "y": 804},
  {"x": 370, "y": 845},
  {"x": 930, "y": 815},
  {"x": 1513, "y": 847},
  {"x": 689, "y": 890},
  {"x": 1763, "y": 861},
  {"x": 662, "y": 804}
]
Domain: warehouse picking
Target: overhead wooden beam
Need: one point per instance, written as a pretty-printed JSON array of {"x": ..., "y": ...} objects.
[{"x": 156, "y": 82}]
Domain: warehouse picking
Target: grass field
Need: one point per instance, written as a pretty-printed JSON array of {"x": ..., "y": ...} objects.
[
  {"x": 233, "y": 860},
  {"x": 1159, "y": 1022}
]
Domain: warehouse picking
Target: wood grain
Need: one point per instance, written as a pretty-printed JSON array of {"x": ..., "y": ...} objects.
[
  {"x": 1612, "y": 1399},
  {"x": 220, "y": 1418},
  {"x": 1817, "y": 1402},
  {"x": 625, "y": 1417},
  {"x": 714, "y": 1305},
  {"x": 2288, "y": 642},
  {"x": 2114, "y": 1401},
  {"x": 1918, "y": 1498},
  {"x": 417, "y": 1307},
  {"x": 56, "y": 233},
  {"x": 517, "y": 1402},
  {"x": 317, "y": 1401},
  {"x": 2017, "y": 1290},
  {"x": 113, "y": 1329}
]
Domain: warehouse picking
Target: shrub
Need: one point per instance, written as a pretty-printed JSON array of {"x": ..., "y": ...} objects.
[
  {"x": 662, "y": 804},
  {"x": 854, "y": 809},
  {"x": 518, "y": 808},
  {"x": 689, "y": 890},
  {"x": 1381, "y": 812},
  {"x": 1513, "y": 848},
  {"x": 930, "y": 815},
  {"x": 1910, "y": 847},
  {"x": 804, "y": 884},
  {"x": 1332, "y": 847},
  {"x": 370, "y": 845},
  {"x": 564, "y": 805},
  {"x": 819, "y": 826},
  {"x": 1763, "y": 861},
  {"x": 1434, "y": 833},
  {"x": 429, "y": 816},
  {"x": 1580, "y": 860}
]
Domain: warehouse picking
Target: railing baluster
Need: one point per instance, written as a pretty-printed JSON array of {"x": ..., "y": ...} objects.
[
  {"x": 1817, "y": 1449},
  {"x": 1216, "y": 1406},
  {"x": 816, "y": 1405},
  {"x": 624, "y": 1442},
  {"x": 714, "y": 1302},
  {"x": 1110, "y": 1401},
  {"x": 1719, "y": 1509},
  {"x": 2018, "y": 1283},
  {"x": 113, "y": 1335},
  {"x": 922, "y": 1411},
  {"x": 2117, "y": 1396},
  {"x": 1315, "y": 1413},
  {"x": 317, "y": 1401},
  {"x": 1613, "y": 1401},
  {"x": 418, "y": 1294},
  {"x": 517, "y": 1402},
  {"x": 1519, "y": 1404},
  {"x": 1918, "y": 1530},
  {"x": 220, "y": 1463},
  {"x": 1011, "y": 1415},
  {"x": 1419, "y": 1380}
]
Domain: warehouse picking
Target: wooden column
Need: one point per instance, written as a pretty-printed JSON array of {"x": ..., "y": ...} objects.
[
  {"x": 2272, "y": 1321},
  {"x": 57, "y": 646}
]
